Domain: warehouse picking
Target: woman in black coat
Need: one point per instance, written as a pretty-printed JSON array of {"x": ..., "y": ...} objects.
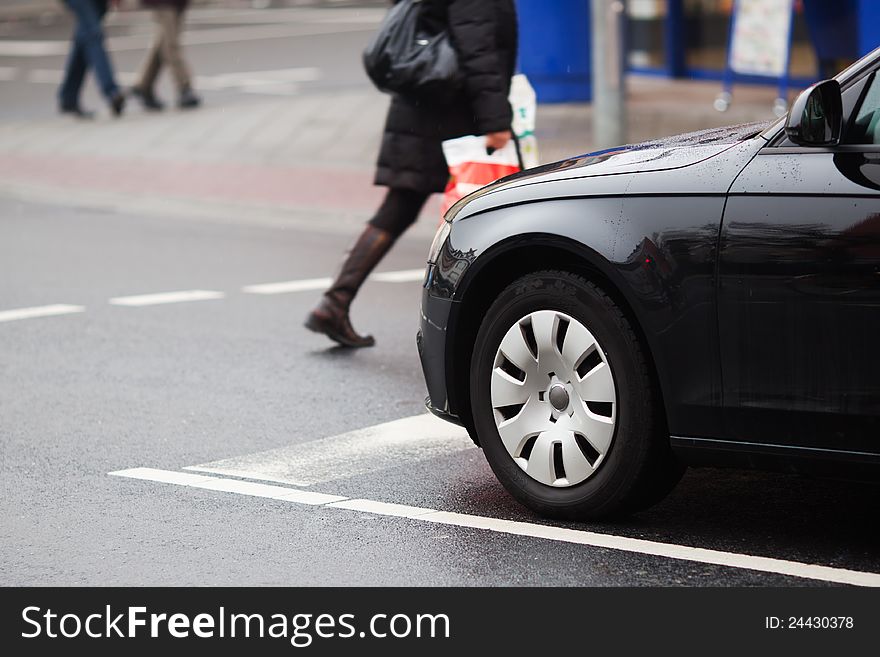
[{"x": 411, "y": 162}]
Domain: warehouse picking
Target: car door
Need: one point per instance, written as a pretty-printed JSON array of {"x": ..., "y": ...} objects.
[{"x": 799, "y": 290}]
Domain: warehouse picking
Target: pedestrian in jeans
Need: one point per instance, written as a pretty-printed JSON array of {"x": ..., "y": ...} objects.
[
  {"x": 168, "y": 15},
  {"x": 411, "y": 162},
  {"x": 87, "y": 51}
]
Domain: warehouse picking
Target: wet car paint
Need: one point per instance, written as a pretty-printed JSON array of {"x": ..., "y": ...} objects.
[{"x": 751, "y": 267}]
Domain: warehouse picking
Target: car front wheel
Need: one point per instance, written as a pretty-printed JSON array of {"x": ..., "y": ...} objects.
[{"x": 563, "y": 402}]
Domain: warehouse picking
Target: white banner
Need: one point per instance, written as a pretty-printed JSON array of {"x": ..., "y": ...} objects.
[{"x": 760, "y": 40}]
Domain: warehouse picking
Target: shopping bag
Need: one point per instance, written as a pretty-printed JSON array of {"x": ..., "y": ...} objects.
[
  {"x": 471, "y": 167},
  {"x": 524, "y": 104}
]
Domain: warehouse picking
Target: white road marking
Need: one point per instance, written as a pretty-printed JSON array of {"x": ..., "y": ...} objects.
[
  {"x": 8, "y": 73},
  {"x": 383, "y": 508},
  {"x": 167, "y": 297},
  {"x": 515, "y": 528},
  {"x": 418, "y": 438},
  {"x": 289, "y": 286},
  {"x": 404, "y": 276},
  {"x": 11, "y": 48},
  {"x": 254, "y": 79},
  {"x": 39, "y": 311},
  {"x": 48, "y": 48},
  {"x": 55, "y": 76},
  {"x": 45, "y": 76},
  {"x": 273, "y": 15},
  {"x": 281, "y": 82},
  {"x": 304, "y": 285},
  {"x": 229, "y": 486}
]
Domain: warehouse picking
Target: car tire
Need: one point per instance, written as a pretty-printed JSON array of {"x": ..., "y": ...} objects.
[{"x": 637, "y": 467}]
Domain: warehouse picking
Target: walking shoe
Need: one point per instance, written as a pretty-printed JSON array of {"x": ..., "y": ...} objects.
[
  {"x": 148, "y": 99},
  {"x": 188, "y": 99},
  {"x": 117, "y": 103},
  {"x": 77, "y": 111},
  {"x": 330, "y": 317}
]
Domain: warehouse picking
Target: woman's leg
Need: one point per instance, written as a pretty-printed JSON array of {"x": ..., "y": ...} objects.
[{"x": 398, "y": 212}]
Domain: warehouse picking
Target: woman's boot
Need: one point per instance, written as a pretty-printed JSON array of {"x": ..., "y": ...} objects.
[{"x": 330, "y": 317}]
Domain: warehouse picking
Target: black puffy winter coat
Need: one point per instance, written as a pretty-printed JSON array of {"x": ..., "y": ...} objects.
[{"x": 484, "y": 35}]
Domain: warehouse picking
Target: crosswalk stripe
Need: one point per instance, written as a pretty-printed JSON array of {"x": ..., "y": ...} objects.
[{"x": 418, "y": 438}]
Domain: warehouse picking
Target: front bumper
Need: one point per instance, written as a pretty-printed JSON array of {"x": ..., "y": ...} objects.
[{"x": 433, "y": 353}]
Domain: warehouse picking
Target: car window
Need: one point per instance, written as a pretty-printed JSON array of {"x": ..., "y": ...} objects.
[{"x": 865, "y": 128}]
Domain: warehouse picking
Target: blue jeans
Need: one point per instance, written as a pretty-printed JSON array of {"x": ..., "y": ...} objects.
[{"x": 87, "y": 50}]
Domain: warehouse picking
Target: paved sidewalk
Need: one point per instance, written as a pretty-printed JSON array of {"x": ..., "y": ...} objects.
[{"x": 299, "y": 160}]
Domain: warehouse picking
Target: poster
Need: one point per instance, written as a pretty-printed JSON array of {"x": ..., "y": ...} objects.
[{"x": 760, "y": 39}]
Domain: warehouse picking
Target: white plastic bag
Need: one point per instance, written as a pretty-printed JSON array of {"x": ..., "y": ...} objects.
[
  {"x": 471, "y": 167},
  {"x": 524, "y": 104}
]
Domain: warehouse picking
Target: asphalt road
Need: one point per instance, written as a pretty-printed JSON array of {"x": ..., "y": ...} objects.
[
  {"x": 251, "y": 46},
  {"x": 170, "y": 386},
  {"x": 232, "y": 384}
]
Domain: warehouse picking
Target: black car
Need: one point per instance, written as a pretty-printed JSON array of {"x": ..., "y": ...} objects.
[{"x": 709, "y": 299}]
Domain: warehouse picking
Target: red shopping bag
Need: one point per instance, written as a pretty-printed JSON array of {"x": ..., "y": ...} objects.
[{"x": 471, "y": 167}]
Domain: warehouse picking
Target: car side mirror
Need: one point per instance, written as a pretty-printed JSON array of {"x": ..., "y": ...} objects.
[{"x": 816, "y": 117}]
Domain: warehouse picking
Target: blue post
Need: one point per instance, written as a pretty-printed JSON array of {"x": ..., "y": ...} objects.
[
  {"x": 869, "y": 26},
  {"x": 674, "y": 32},
  {"x": 554, "y": 48}
]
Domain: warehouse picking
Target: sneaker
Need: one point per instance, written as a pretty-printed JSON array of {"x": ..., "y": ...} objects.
[
  {"x": 188, "y": 99},
  {"x": 148, "y": 99}
]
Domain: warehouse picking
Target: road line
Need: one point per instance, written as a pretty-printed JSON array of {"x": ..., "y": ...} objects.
[
  {"x": 229, "y": 486},
  {"x": 413, "y": 439},
  {"x": 657, "y": 549},
  {"x": 39, "y": 311},
  {"x": 167, "y": 297},
  {"x": 308, "y": 284},
  {"x": 289, "y": 286},
  {"x": 8, "y": 73},
  {"x": 55, "y": 76},
  {"x": 275, "y": 81},
  {"x": 162, "y": 476},
  {"x": 515, "y": 528},
  {"x": 382, "y": 508},
  {"x": 404, "y": 276},
  {"x": 57, "y": 47}
]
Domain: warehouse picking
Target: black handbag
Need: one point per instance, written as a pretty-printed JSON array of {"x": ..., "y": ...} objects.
[{"x": 402, "y": 58}]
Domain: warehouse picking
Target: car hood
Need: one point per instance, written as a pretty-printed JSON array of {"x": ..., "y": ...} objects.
[{"x": 660, "y": 154}]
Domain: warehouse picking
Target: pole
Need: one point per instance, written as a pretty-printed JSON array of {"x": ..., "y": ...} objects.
[{"x": 608, "y": 68}]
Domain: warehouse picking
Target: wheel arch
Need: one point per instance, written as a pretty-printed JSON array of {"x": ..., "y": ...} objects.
[{"x": 500, "y": 266}]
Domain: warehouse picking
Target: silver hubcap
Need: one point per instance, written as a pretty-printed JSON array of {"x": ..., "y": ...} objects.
[{"x": 554, "y": 398}]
